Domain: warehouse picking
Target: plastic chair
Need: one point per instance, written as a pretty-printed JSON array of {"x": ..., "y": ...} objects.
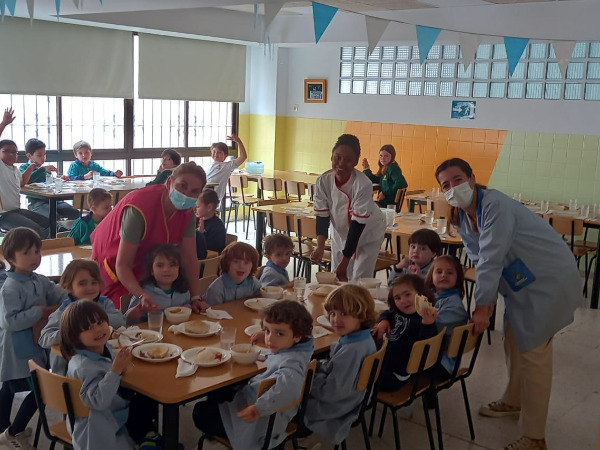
[
  {"x": 61, "y": 394},
  {"x": 425, "y": 355}
]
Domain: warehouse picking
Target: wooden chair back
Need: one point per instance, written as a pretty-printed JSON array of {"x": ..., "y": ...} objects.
[
  {"x": 273, "y": 185},
  {"x": 280, "y": 221},
  {"x": 425, "y": 353},
  {"x": 271, "y": 201},
  {"x": 306, "y": 227},
  {"x": 295, "y": 188},
  {"x": 80, "y": 202},
  {"x": 311, "y": 191},
  {"x": 399, "y": 200},
  {"x": 125, "y": 301},
  {"x": 209, "y": 266},
  {"x": 456, "y": 344},
  {"x": 205, "y": 282},
  {"x": 229, "y": 238},
  {"x": 367, "y": 377},
  {"x": 51, "y": 244},
  {"x": 567, "y": 226},
  {"x": 441, "y": 208},
  {"x": 259, "y": 271},
  {"x": 400, "y": 245},
  {"x": 237, "y": 184}
]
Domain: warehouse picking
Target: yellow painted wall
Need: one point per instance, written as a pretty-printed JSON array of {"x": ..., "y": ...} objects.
[{"x": 258, "y": 134}]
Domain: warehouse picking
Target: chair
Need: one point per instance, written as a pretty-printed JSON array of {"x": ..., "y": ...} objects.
[
  {"x": 125, "y": 301},
  {"x": 425, "y": 355},
  {"x": 240, "y": 198},
  {"x": 368, "y": 376},
  {"x": 399, "y": 200},
  {"x": 80, "y": 202},
  {"x": 205, "y": 282},
  {"x": 62, "y": 234},
  {"x": 462, "y": 341},
  {"x": 419, "y": 203},
  {"x": 292, "y": 428},
  {"x": 51, "y": 244},
  {"x": 119, "y": 195},
  {"x": 306, "y": 229},
  {"x": 209, "y": 266},
  {"x": 61, "y": 394},
  {"x": 229, "y": 238},
  {"x": 259, "y": 271},
  {"x": 296, "y": 188},
  {"x": 274, "y": 185},
  {"x": 470, "y": 274}
]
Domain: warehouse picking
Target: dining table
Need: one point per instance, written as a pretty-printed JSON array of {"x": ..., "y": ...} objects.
[
  {"x": 55, "y": 260},
  {"x": 157, "y": 381}
]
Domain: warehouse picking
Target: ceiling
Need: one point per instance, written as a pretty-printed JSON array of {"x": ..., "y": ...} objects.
[{"x": 233, "y": 20}]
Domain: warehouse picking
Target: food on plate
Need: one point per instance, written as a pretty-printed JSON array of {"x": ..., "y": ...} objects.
[
  {"x": 421, "y": 304},
  {"x": 324, "y": 290},
  {"x": 158, "y": 352},
  {"x": 207, "y": 356},
  {"x": 196, "y": 327},
  {"x": 175, "y": 310},
  {"x": 144, "y": 335}
]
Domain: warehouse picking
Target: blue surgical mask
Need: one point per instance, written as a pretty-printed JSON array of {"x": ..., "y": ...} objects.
[{"x": 181, "y": 201}]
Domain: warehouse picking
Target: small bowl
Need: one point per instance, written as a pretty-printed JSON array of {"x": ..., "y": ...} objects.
[
  {"x": 178, "y": 314},
  {"x": 241, "y": 355},
  {"x": 369, "y": 283},
  {"x": 271, "y": 292},
  {"x": 325, "y": 277}
]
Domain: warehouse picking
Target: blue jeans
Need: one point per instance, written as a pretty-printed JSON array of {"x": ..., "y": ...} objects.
[
  {"x": 25, "y": 218},
  {"x": 63, "y": 209}
]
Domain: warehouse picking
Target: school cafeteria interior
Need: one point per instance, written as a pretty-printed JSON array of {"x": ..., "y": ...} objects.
[{"x": 511, "y": 86}]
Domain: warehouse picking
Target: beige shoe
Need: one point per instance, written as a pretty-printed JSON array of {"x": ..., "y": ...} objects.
[
  {"x": 18, "y": 442},
  {"x": 527, "y": 443},
  {"x": 499, "y": 409}
]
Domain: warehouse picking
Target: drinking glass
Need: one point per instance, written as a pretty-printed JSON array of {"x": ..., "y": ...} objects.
[
  {"x": 585, "y": 211},
  {"x": 572, "y": 204},
  {"x": 155, "y": 321},
  {"x": 429, "y": 217},
  {"x": 58, "y": 184},
  {"x": 299, "y": 286},
  {"x": 544, "y": 206},
  {"x": 595, "y": 210},
  {"x": 96, "y": 177},
  {"x": 227, "y": 337},
  {"x": 442, "y": 225}
]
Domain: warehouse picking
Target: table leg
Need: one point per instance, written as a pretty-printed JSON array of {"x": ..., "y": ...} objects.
[
  {"x": 52, "y": 218},
  {"x": 260, "y": 231},
  {"x": 411, "y": 205},
  {"x": 596, "y": 280},
  {"x": 170, "y": 426}
]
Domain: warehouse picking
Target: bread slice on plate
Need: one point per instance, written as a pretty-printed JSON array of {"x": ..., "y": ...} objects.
[
  {"x": 196, "y": 326},
  {"x": 158, "y": 352}
]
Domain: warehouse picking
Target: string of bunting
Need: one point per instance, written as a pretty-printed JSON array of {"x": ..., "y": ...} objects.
[{"x": 11, "y": 4}]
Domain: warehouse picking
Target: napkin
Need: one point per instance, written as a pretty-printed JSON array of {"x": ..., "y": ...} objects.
[
  {"x": 184, "y": 368},
  {"x": 177, "y": 329},
  {"x": 319, "y": 331},
  {"x": 217, "y": 314}
]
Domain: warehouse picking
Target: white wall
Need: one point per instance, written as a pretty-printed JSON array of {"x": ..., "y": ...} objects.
[
  {"x": 323, "y": 61},
  {"x": 261, "y": 79}
]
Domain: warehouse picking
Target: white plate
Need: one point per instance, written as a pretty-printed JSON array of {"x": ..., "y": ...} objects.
[
  {"x": 410, "y": 216},
  {"x": 141, "y": 350},
  {"x": 253, "y": 329},
  {"x": 151, "y": 336},
  {"x": 214, "y": 329},
  {"x": 323, "y": 320},
  {"x": 258, "y": 304},
  {"x": 188, "y": 356},
  {"x": 380, "y": 306}
]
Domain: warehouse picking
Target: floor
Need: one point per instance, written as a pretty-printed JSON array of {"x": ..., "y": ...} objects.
[{"x": 574, "y": 417}]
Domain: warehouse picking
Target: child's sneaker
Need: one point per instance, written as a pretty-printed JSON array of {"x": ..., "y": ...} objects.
[
  {"x": 527, "y": 443},
  {"x": 154, "y": 441},
  {"x": 20, "y": 441},
  {"x": 499, "y": 409}
]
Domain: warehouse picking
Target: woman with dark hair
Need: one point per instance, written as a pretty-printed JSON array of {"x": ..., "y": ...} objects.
[
  {"x": 520, "y": 256},
  {"x": 344, "y": 199},
  {"x": 389, "y": 176}
]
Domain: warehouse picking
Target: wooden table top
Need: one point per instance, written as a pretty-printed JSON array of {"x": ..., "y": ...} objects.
[
  {"x": 71, "y": 188},
  {"x": 286, "y": 175},
  {"x": 55, "y": 260},
  {"x": 157, "y": 380},
  {"x": 407, "y": 226}
]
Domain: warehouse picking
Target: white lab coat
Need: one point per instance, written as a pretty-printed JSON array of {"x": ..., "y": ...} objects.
[{"x": 351, "y": 201}]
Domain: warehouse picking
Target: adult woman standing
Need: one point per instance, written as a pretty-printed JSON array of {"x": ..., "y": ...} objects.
[
  {"x": 157, "y": 214},
  {"x": 344, "y": 199},
  {"x": 389, "y": 176},
  {"x": 519, "y": 255}
]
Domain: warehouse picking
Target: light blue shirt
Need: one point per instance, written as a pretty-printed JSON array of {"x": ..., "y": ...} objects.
[
  {"x": 273, "y": 275},
  {"x": 161, "y": 298},
  {"x": 224, "y": 289}
]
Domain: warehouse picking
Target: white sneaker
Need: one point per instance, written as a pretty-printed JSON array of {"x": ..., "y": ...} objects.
[{"x": 20, "y": 441}]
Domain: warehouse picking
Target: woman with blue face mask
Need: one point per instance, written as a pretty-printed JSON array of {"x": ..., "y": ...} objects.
[
  {"x": 520, "y": 256},
  {"x": 156, "y": 214}
]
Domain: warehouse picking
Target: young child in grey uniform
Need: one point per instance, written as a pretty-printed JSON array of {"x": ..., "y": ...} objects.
[
  {"x": 424, "y": 245},
  {"x": 82, "y": 280},
  {"x": 26, "y": 301},
  {"x": 287, "y": 332},
  {"x": 84, "y": 333},
  {"x": 278, "y": 250},
  {"x": 165, "y": 281},
  {"x": 238, "y": 266},
  {"x": 334, "y": 402}
]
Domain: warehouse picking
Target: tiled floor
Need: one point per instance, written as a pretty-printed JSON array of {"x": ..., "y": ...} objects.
[{"x": 574, "y": 416}]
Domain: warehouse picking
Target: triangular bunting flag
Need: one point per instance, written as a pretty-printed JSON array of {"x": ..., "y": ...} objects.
[
  {"x": 514, "y": 50},
  {"x": 564, "y": 52},
  {"x": 30, "y": 10},
  {"x": 76, "y": 2},
  {"x": 468, "y": 47},
  {"x": 2, "y": 8},
  {"x": 255, "y": 15},
  {"x": 426, "y": 37},
  {"x": 57, "y": 3},
  {"x": 322, "y": 16},
  {"x": 375, "y": 29},
  {"x": 271, "y": 10},
  {"x": 11, "y": 6}
]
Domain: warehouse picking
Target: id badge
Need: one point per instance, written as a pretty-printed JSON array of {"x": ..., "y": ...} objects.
[{"x": 518, "y": 275}]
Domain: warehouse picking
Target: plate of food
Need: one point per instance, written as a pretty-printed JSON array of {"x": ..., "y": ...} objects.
[
  {"x": 147, "y": 335},
  {"x": 322, "y": 290},
  {"x": 206, "y": 356},
  {"x": 253, "y": 329},
  {"x": 324, "y": 320},
  {"x": 258, "y": 304},
  {"x": 200, "y": 328},
  {"x": 156, "y": 353}
]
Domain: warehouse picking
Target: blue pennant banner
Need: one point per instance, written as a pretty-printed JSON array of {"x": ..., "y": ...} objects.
[
  {"x": 322, "y": 16},
  {"x": 57, "y": 3},
  {"x": 11, "y": 6},
  {"x": 426, "y": 37},
  {"x": 514, "y": 50}
]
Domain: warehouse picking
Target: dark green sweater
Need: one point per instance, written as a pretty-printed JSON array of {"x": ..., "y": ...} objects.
[{"x": 389, "y": 183}]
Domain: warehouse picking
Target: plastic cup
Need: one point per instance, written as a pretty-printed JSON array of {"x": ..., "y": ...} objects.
[
  {"x": 58, "y": 184},
  {"x": 442, "y": 225},
  {"x": 299, "y": 287},
  {"x": 544, "y": 206},
  {"x": 96, "y": 177},
  {"x": 155, "y": 321},
  {"x": 429, "y": 217},
  {"x": 227, "y": 337},
  {"x": 585, "y": 211}
]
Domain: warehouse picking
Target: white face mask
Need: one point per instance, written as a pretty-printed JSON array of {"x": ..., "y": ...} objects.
[{"x": 460, "y": 196}]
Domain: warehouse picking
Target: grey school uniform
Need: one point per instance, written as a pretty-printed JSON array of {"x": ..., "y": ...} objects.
[
  {"x": 334, "y": 402},
  {"x": 224, "y": 289},
  {"x": 105, "y": 426},
  {"x": 274, "y": 275},
  {"x": 451, "y": 314},
  {"x": 287, "y": 367},
  {"x": 20, "y": 299},
  {"x": 161, "y": 298},
  {"x": 50, "y": 334}
]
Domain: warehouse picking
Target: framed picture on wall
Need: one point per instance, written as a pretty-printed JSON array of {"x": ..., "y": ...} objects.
[{"x": 315, "y": 91}]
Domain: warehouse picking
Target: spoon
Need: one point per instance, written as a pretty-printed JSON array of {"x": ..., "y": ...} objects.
[{"x": 126, "y": 341}]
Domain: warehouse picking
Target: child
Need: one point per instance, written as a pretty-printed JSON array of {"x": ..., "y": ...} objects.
[
  {"x": 424, "y": 245},
  {"x": 35, "y": 150},
  {"x": 278, "y": 250},
  {"x": 210, "y": 230},
  {"x": 26, "y": 301},
  {"x": 84, "y": 332},
  {"x": 334, "y": 402},
  {"x": 170, "y": 160},
  {"x": 389, "y": 176},
  {"x": 83, "y": 167},
  {"x": 287, "y": 332},
  {"x": 82, "y": 280},
  {"x": 164, "y": 281},
  {"x": 447, "y": 277},
  {"x": 100, "y": 202},
  {"x": 220, "y": 170},
  {"x": 238, "y": 266},
  {"x": 404, "y": 326}
]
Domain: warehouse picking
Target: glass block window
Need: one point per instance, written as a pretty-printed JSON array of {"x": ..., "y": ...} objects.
[
  {"x": 359, "y": 69},
  {"x": 372, "y": 86},
  {"x": 358, "y": 87},
  {"x": 593, "y": 71},
  {"x": 415, "y": 52},
  {"x": 435, "y": 52},
  {"x": 580, "y": 50},
  {"x": 515, "y": 90},
  {"x": 463, "y": 89},
  {"x": 553, "y": 72},
  {"x": 572, "y": 91},
  {"x": 553, "y": 91},
  {"x": 448, "y": 70},
  {"x": 446, "y": 88},
  {"x": 416, "y": 70},
  {"x": 346, "y": 69},
  {"x": 594, "y": 49},
  {"x": 432, "y": 70},
  {"x": 401, "y": 70},
  {"x": 385, "y": 87},
  {"x": 497, "y": 90},
  {"x": 346, "y": 53},
  {"x": 387, "y": 70},
  {"x": 592, "y": 91},
  {"x": 484, "y": 51},
  {"x": 360, "y": 53},
  {"x": 345, "y": 86},
  {"x": 538, "y": 51},
  {"x": 373, "y": 70},
  {"x": 431, "y": 88},
  {"x": 480, "y": 90},
  {"x": 450, "y": 52},
  {"x": 499, "y": 69},
  {"x": 499, "y": 51},
  {"x": 534, "y": 90},
  {"x": 400, "y": 87},
  {"x": 388, "y": 53},
  {"x": 536, "y": 70},
  {"x": 482, "y": 70},
  {"x": 519, "y": 72},
  {"x": 462, "y": 73},
  {"x": 403, "y": 52},
  {"x": 414, "y": 88},
  {"x": 376, "y": 53},
  {"x": 575, "y": 70}
]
